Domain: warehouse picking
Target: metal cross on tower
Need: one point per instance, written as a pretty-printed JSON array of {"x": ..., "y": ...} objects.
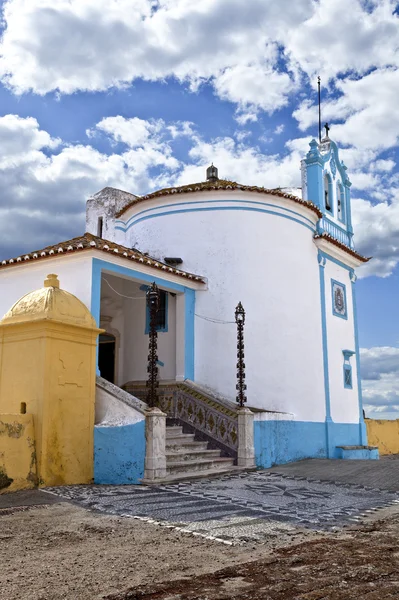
[
  {"x": 327, "y": 128},
  {"x": 240, "y": 386},
  {"x": 152, "y": 368}
]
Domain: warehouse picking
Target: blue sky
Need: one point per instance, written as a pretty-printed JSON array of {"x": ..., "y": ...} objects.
[{"x": 141, "y": 94}]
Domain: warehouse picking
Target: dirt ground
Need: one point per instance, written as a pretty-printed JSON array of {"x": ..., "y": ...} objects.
[{"x": 63, "y": 551}]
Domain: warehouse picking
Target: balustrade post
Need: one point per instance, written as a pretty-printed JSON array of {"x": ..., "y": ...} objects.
[
  {"x": 155, "y": 438},
  {"x": 246, "y": 449}
]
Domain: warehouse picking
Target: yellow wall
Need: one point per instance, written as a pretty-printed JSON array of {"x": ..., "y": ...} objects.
[
  {"x": 51, "y": 367},
  {"x": 384, "y": 434},
  {"x": 17, "y": 453}
]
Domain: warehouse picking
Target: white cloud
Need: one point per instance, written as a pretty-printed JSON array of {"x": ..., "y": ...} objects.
[
  {"x": 377, "y": 234},
  {"x": 253, "y": 87},
  {"x": 45, "y": 182},
  {"x": 380, "y": 381},
  {"x": 40, "y": 176},
  {"x": 72, "y": 45},
  {"x": 279, "y": 129},
  {"x": 345, "y": 35}
]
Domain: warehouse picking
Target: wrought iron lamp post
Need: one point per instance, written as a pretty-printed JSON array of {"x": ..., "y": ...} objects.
[
  {"x": 241, "y": 386},
  {"x": 152, "y": 368}
]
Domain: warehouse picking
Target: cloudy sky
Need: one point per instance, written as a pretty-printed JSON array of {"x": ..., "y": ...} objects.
[{"x": 140, "y": 94}]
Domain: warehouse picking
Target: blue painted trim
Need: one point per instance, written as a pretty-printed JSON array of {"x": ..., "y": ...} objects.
[
  {"x": 322, "y": 263},
  {"x": 99, "y": 265},
  {"x": 207, "y": 209},
  {"x": 342, "y": 229},
  {"x": 279, "y": 442},
  {"x": 336, "y": 261},
  {"x": 133, "y": 274},
  {"x": 95, "y": 306},
  {"x": 127, "y": 225},
  {"x": 362, "y": 425},
  {"x": 341, "y": 197},
  {"x": 335, "y": 313},
  {"x": 148, "y": 318},
  {"x": 189, "y": 332},
  {"x": 119, "y": 454}
]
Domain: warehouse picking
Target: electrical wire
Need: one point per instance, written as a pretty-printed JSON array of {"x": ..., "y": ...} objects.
[
  {"x": 210, "y": 319},
  {"x": 122, "y": 295}
]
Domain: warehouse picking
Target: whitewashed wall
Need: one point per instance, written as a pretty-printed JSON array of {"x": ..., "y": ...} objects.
[
  {"x": 74, "y": 274},
  {"x": 340, "y": 336},
  {"x": 270, "y": 264}
]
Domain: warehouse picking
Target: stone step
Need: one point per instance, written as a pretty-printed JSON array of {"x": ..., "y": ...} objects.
[
  {"x": 199, "y": 465},
  {"x": 172, "y": 430},
  {"x": 180, "y": 439},
  {"x": 190, "y": 456},
  {"x": 185, "y": 446},
  {"x": 192, "y": 474}
]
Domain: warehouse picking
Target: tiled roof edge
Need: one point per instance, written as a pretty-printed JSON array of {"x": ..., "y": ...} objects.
[
  {"x": 91, "y": 242},
  {"x": 329, "y": 238},
  {"x": 204, "y": 187}
]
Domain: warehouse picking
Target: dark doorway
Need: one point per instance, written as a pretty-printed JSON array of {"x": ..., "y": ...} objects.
[{"x": 106, "y": 356}]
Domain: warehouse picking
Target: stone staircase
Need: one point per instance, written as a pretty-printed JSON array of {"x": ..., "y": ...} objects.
[{"x": 188, "y": 458}]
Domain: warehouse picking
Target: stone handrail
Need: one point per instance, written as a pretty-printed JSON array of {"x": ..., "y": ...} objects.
[
  {"x": 121, "y": 395},
  {"x": 214, "y": 417}
]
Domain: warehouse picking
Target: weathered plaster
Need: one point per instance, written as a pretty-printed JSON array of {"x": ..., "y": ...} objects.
[
  {"x": 384, "y": 434},
  {"x": 17, "y": 453},
  {"x": 57, "y": 348}
]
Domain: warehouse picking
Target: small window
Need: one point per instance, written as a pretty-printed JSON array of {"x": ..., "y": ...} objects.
[
  {"x": 162, "y": 314},
  {"x": 348, "y": 384},
  {"x": 100, "y": 227},
  {"x": 348, "y": 376}
]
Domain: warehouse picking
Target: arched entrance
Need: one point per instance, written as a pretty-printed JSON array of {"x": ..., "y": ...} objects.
[{"x": 106, "y": 356}]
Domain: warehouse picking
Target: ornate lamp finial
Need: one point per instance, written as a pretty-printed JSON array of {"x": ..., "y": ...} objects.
[{"x": 212, "y": 173}]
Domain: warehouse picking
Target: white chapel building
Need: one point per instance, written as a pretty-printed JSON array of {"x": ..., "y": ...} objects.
[{"x": 289, "y": 258}]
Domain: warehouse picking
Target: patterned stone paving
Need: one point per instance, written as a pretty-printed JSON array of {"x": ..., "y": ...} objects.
[{"x": 239, "y": 507}]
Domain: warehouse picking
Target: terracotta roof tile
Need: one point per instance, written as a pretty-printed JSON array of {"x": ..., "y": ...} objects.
[
  {"x": 329, "y": 238},
  {"x": 92, "y": 242},
  {"x": 220, "y": 184}
]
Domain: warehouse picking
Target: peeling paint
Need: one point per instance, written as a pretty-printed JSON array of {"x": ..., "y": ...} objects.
[
  {"x": 14, "y": 430},
  {"x": 5, "y": 481}
]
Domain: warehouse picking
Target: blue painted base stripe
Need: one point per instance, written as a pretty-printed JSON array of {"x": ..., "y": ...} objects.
[
  {"x": 119, "y": 454},
  {"x": 279, "y": 442}
]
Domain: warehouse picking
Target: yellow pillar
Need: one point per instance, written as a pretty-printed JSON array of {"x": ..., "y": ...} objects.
[{"x": 48, "y": 361}]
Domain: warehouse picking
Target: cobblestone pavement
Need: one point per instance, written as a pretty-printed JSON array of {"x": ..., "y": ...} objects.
[
  {"x": 239, "y": 507},
  {"x": 378, "y": 474}
]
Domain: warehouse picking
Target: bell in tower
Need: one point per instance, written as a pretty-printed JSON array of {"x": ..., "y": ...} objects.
[{"x": 212, "y": 173}]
